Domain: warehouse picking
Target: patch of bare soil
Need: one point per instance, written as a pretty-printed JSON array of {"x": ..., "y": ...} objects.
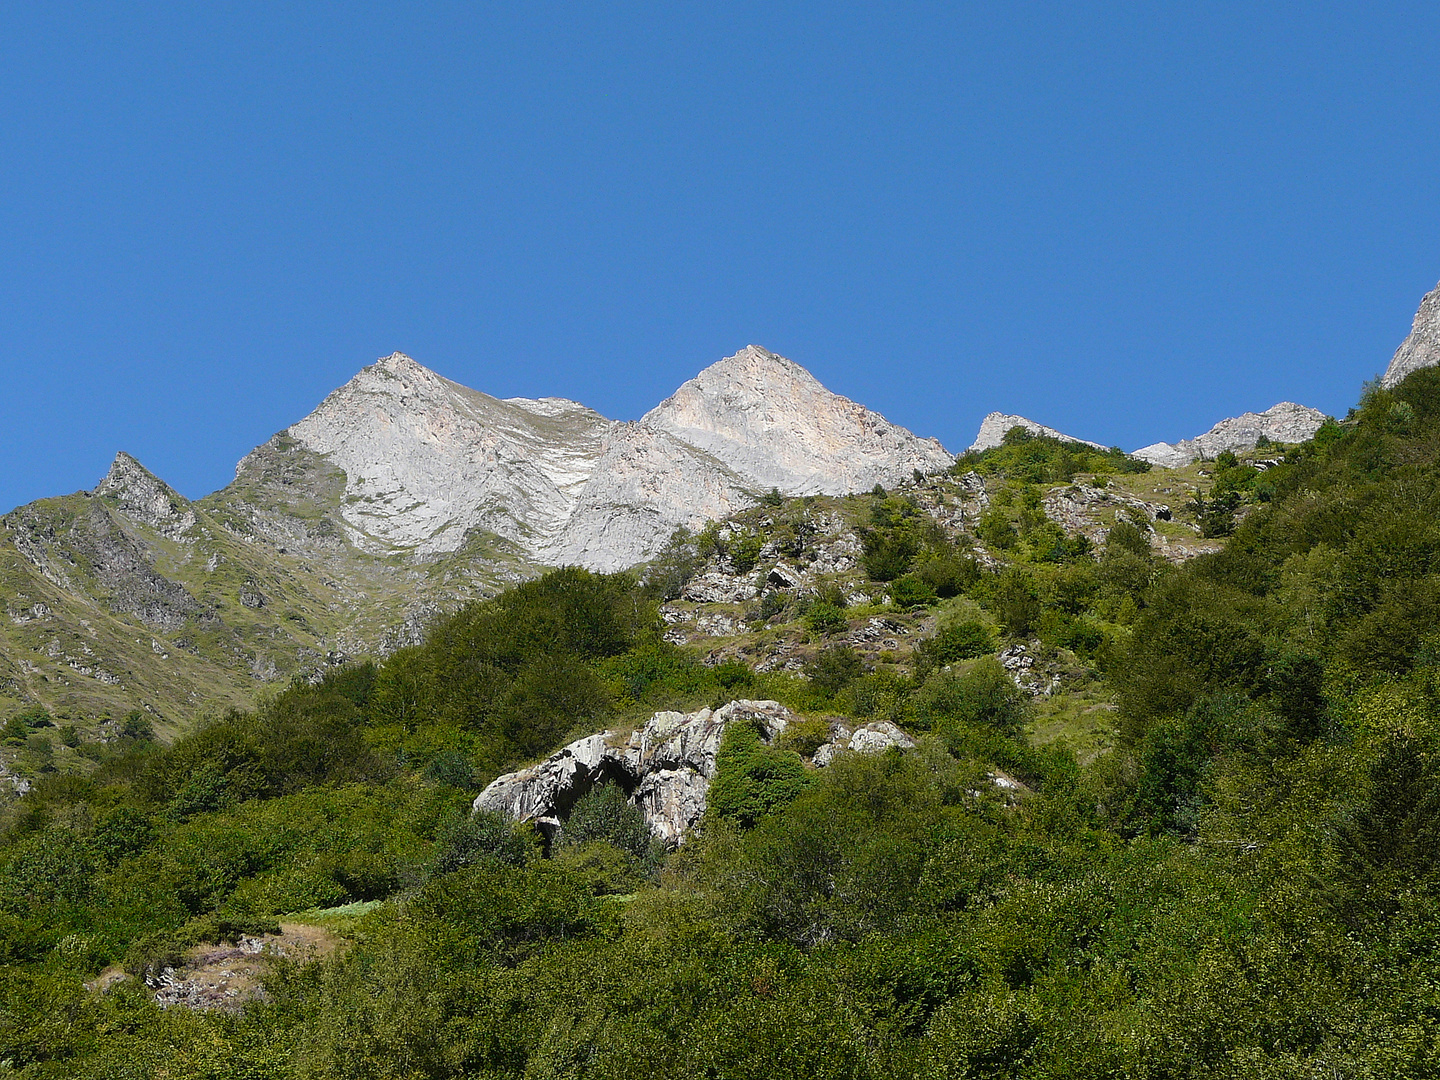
[{"x": 225, "y": 976}]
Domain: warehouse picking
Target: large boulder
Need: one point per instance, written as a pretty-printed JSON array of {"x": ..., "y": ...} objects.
[{"x": 666, "y": 766}]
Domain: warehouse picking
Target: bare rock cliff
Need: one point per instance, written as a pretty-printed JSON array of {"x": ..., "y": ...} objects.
[
  {"x": 1422, "y": 347},
  {"x": 772, "y": 422},
  {"x": 427, "y": 460}
]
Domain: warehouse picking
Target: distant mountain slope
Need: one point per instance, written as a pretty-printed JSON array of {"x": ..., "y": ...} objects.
[
  {"x": 401, "y": 494},
  {"x": 1286, "y": 422},
  {"x": 426, "y": 459},
  {"x": 994, "y": 426}
]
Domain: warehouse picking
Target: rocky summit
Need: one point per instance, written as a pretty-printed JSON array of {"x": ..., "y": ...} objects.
[
  {"x": 428, "y": 461},
  {"x": 996, "y": 424}
]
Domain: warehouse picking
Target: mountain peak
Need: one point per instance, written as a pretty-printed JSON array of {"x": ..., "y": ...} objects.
[
  {"x": 1285, "y": 422},
  {"x": 768, "y": 419},
  {"x": 1421, "y": 348},
  {"x": 140, "y": 494},
  {"x": 754, "y": 370}
]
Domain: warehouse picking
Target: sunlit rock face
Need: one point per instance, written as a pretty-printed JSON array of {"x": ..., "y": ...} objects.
[
  {"x": 427, "y": 460},
  {"x": 1421, "y": 348},
  {"x": 665, "y": 767},
  {"x": 1286, "y": 422}
]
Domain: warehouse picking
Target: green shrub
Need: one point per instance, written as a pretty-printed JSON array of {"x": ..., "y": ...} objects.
[
  {"x": 479, "y": 837},
  {"x": 752, "y": 779},
  {"x": 823, "y": 618},
  {"x": 745, "y": 552},
  {"x": 911, "y": 590},
  {"x": 958, "y": 641},
  {"x": 985, "y": 696},
  {"x": 605, "y": 813},
  {"x": 804, "y": 736},
  {"x": 834, "y": 668}
]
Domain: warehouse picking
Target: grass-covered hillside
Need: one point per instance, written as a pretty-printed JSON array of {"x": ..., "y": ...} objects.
[{"x": 1220, "y": 860}]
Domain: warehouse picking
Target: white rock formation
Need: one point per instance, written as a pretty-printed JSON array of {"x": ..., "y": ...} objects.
[
  {"x": 1285, "y": 422},
  {"x": 1422, "y": 347},
  {"x": 426, "y": 459},
  {"x": 993, "y": 429},
  {"x": 771, "y": 422},
  {"x": 667, "y": 766}
]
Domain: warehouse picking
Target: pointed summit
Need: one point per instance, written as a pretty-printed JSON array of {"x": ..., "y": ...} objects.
[
  {"x": 1422, "y": 347},
  {"x": 771, "y": 421},
  {"x": 139, "y": 494}
]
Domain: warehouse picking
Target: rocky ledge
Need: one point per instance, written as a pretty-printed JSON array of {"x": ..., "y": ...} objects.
[{"x": 666, "y": 766}]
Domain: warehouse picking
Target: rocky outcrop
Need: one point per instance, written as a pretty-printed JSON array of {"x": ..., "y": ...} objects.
[
  {"x": 1421, "y": 348},
  {"x": 1286, "y": 422},
  {"x": 140, "y": 495},
  {"x": 993, "y": 429},
  {"x": 427, "y": 460},
  {"x": 666, "y": 766}
]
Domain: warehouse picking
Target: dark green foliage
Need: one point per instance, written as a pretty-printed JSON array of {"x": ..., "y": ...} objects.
[
  {"x": 958, "y": 641},
  {"x": 888, "y": 552},
  {"x": 996, "y": 531},
  {"x": 835, "y": 668},
  {"x": 1040, "y": 459},
  {"x": 948, "y": 572},
  {"x": 745, "y": 552},
  {"x": 825, "y": 618},
  {"x": 470, "y": 839},
  {"x": 674, "y": 565},
  {"x": 453, "y": 768},
  {"x": 982, "y": 697},
  {"x": 136, "y": 725},
  {"x": 606, "y": 814},
  {"x": 752, "y": 779},
  {"x": 1013, "y": 599},
  {"x": 804, "y": 736},
  {"x": 911, "y": 590}
]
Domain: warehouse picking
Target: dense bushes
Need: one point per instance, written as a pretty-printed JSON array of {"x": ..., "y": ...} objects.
[{"x": 1244, "y": 887}]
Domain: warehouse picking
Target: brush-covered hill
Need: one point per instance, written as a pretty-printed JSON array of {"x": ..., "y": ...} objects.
[{"x": 1162, "y": 816}]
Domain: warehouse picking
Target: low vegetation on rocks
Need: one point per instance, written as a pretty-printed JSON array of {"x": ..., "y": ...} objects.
[{"x": 1162, "y": 804}]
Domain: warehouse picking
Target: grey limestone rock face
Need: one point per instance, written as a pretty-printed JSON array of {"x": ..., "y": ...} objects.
[
  {"x": 1286, "y": 422},
  {"x": 993, "y": 429},
  {"x": 426, "y": 459},
  {"x": 1421, "y": 348},
  {"x": 666, "y": 766}
]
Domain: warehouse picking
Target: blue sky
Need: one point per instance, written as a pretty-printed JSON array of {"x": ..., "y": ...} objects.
[{"x": 1123, "y": 220}]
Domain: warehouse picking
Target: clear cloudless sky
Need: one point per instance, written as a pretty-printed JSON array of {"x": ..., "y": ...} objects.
[{"x": 1126, "y": 220}]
